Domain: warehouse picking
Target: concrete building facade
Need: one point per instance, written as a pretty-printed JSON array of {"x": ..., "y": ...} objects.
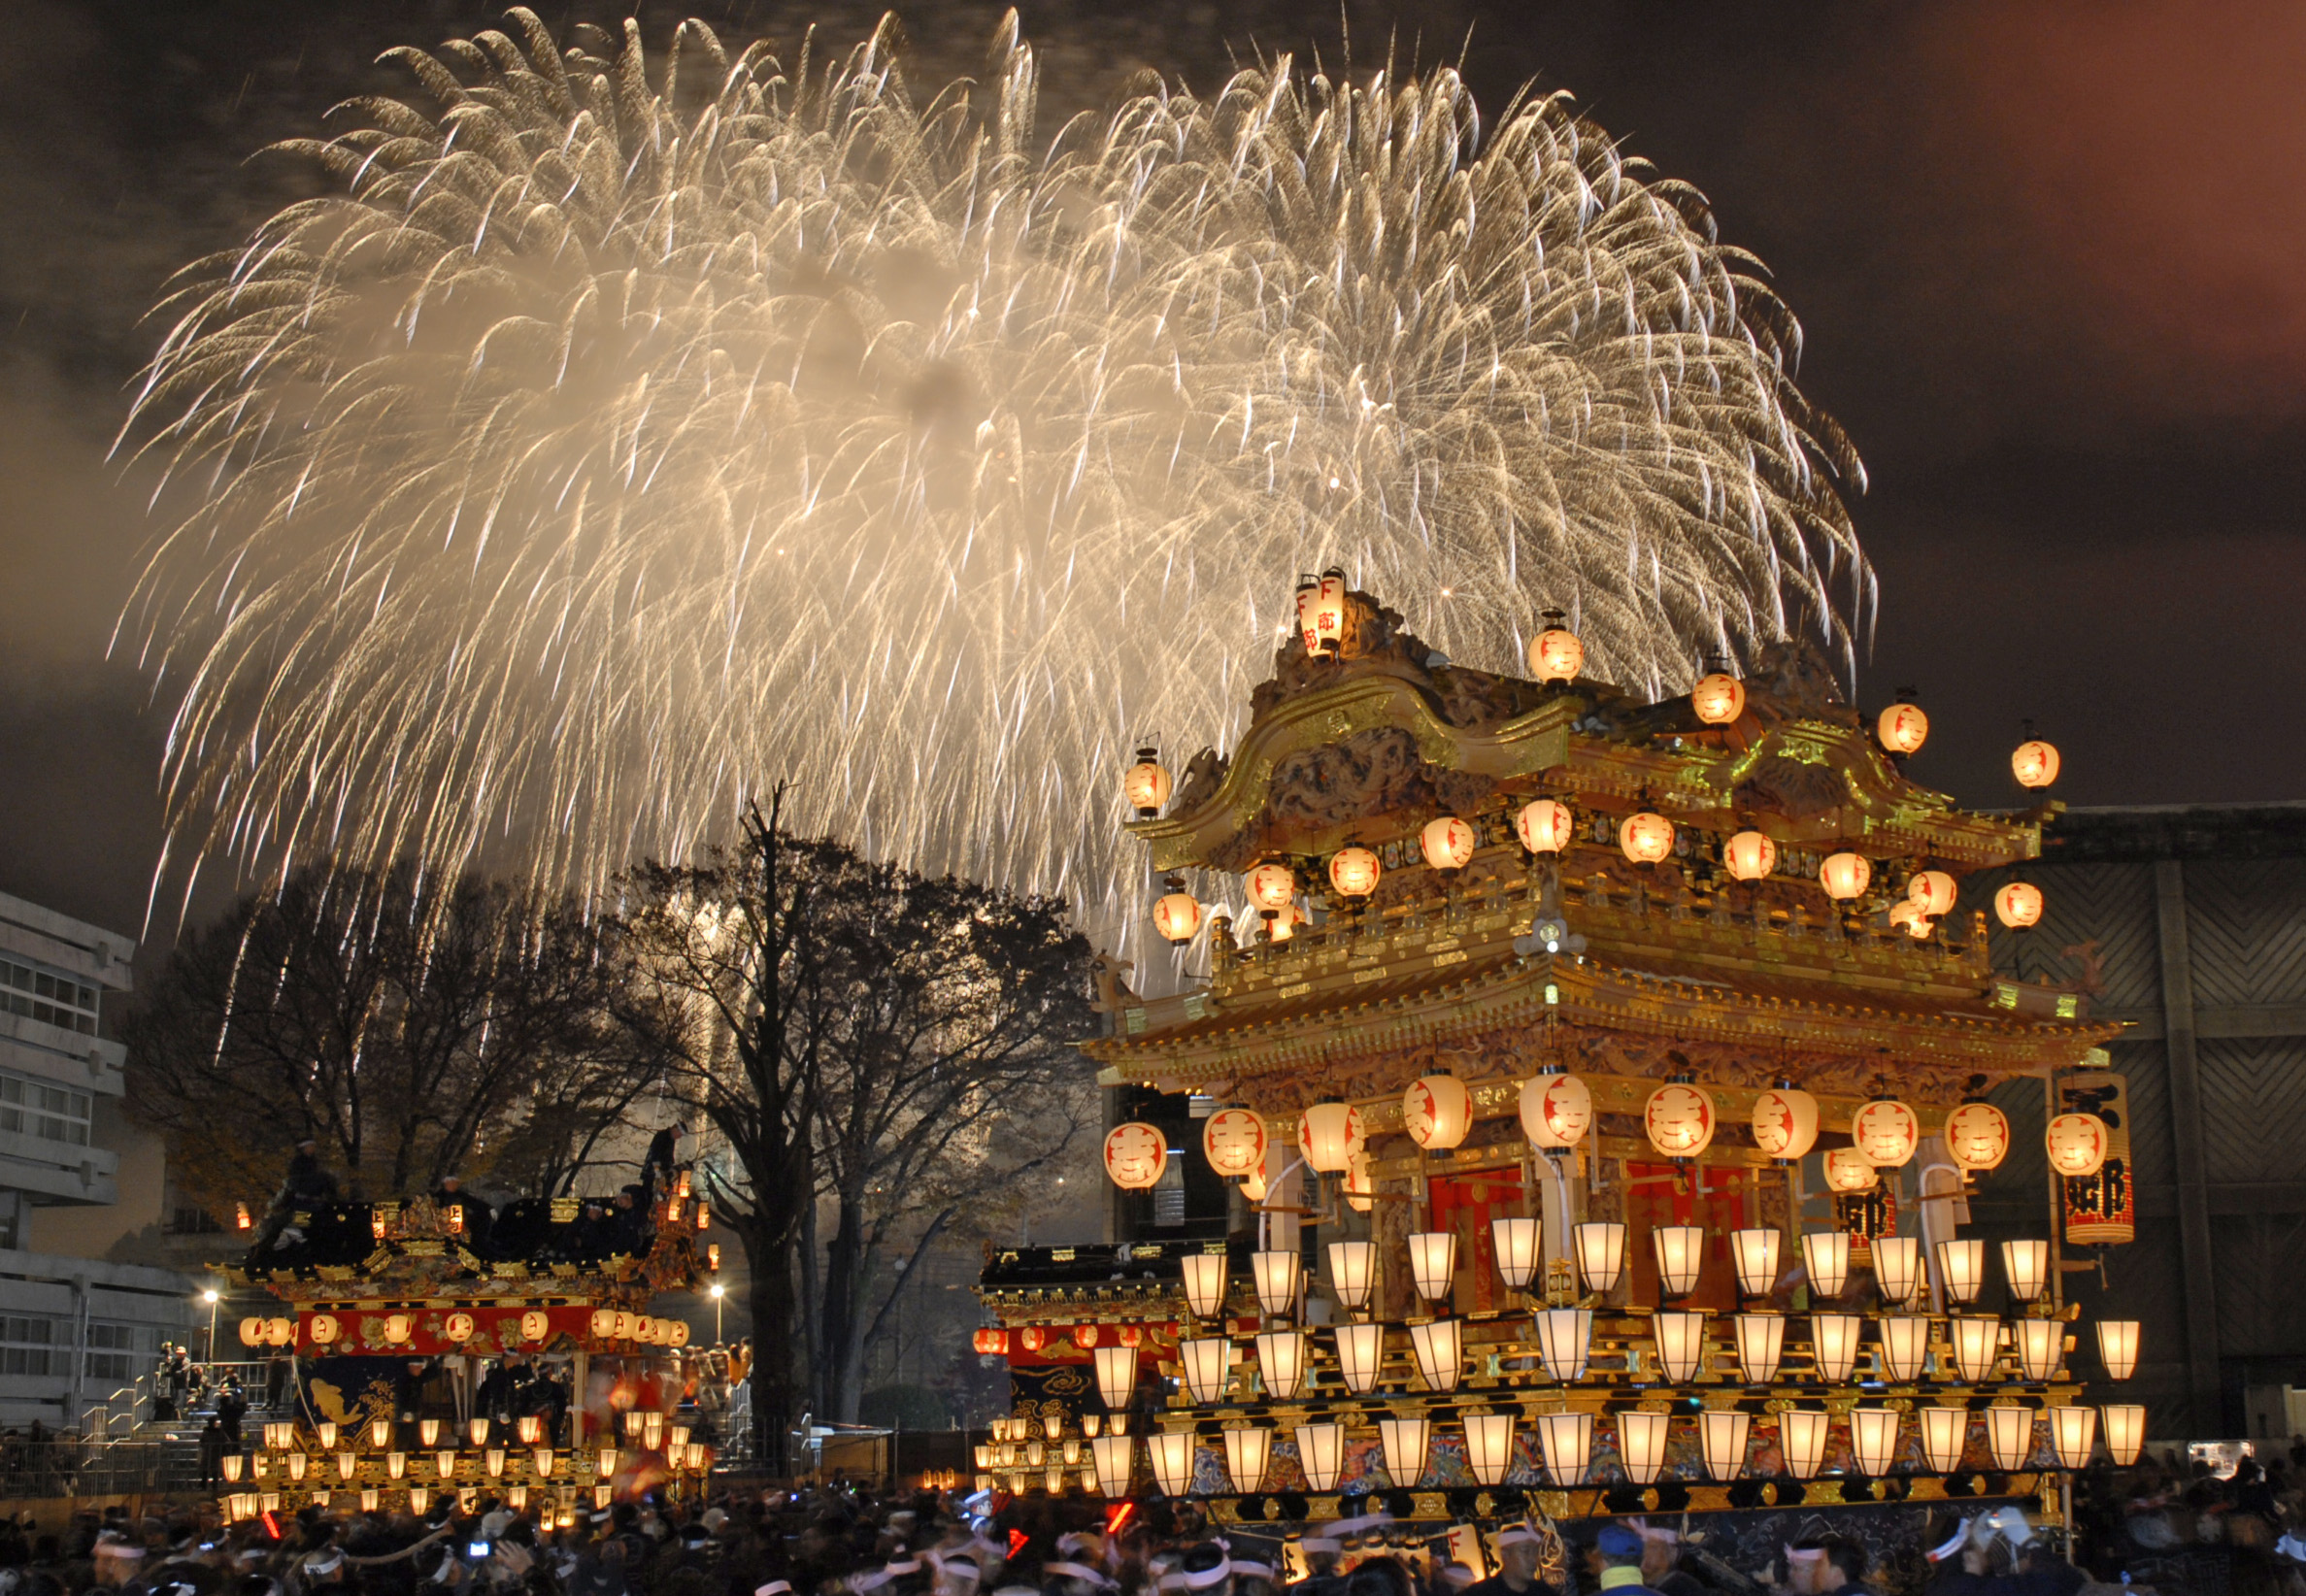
[{"x": 78, "y": 1321}]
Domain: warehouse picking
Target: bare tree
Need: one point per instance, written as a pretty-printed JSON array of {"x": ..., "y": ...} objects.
[
  {"x": 415, "y": 1031},
  {"x": 856, "y": 1031}
]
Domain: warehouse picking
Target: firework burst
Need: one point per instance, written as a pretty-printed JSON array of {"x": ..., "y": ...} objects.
[{"x": 616, "y": 437}]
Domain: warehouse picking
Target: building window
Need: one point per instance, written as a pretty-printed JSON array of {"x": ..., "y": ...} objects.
[
  {"x": 112, "y": 1352},
  {"x": 24, "y": 1345},
  {"x": 34, "y": 1107},
  {"x": 51, "y": 999}
]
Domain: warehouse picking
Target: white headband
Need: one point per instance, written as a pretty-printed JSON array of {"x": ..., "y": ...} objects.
[
  {"x": 1077, "y": 1570},
  {"x": 1255, "y": 1570},
  {"x": 1514, "y": 1535},
  {"x": 1208, "y": 1577},
  {"x": 775, "y": 1587}
]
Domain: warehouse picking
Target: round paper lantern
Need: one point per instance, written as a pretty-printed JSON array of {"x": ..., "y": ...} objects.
[
  {"x": 457, "y": 1327},
  {"x": 2017, "y": 905},
  {"x": 1272, "y": 886},
  {"x": 1544, "y": 825},
  {"x": 1750, "y": 855},
  {"x": 1359, "y": 1191},
  {"x": 1145, "y": 786},
  {"x": 1033, "y": 1338},
  {"x": 1931, "y": 891},
  {"x": 399, "y": 1328},
  {"x": 1903, "y": 728},
  {"x": 324, "y": 1329},
  {"x": 535, "y": 1324},
  {"x": 1679, "y": 1118},
  {"x": 1178, "y": 916},
  {"x": 1646, "y": 837},
  {"x": 1845, "y": 875},
  {"x": 1354, "y": 872},
  {"x": 1846, "y": 1171},
  {"x": 1320, "y": 612},
  {"x": 1437, "y": 1110},
  {"x": 1556, "y": 1111},
  {"x": 1718, "y": 699},
  {"x": 1135, "y": 1156},
  {"x": 1448, "y": 843},
  {"x": 2034, "y": 763},
  {"x": 1786, "y": 1121},
  {"x": 1555, "y": 655},
  {"x": 1977, "y": 1136},
  {"x": 1233, "y": 1141},
  {"x": 1885, "y": 1132},
  {"x": 2077, "y": 1144},
  {"x": 1085, "y": 1336},
  {"x": 1330, "y": 1134},
  {"x": 992, "y": 1342}
]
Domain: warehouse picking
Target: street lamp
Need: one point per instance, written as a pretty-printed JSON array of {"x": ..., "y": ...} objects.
[
  {"x": 719, "y": 1291},
  {"x": 211, "y": 1296}
]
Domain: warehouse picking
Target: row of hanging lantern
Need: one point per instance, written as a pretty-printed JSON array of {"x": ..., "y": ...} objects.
[
  {"x": 559, "y": 1510},
  {"x": 1679, "y": 1117},
  {"x": 1564, "y": 1445},
  {"x": 1548, "y": 826}
]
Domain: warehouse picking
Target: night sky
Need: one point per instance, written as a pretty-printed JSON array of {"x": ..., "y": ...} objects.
[{"x": 2046, "y": 258}]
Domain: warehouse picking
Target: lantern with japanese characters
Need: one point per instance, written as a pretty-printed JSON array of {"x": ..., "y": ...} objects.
[
  {"x": 1233, "y": 1140},
  {"x": 1178, "y": 916},
  {"x": 1330, "y": 1134},
  {"x": 1437, "y": 1110},
  {"x": 1354, "y": 872},
  {"x": 1555, "y": 655},
  {"x": 1903, "y": 728},
  {"x": 1272, "y": 887},
  {"x": 1844, "y": 876},
  {"x": 1646, "y": 837},
  {"x": 1718, "y": 699},
  {"x": 991, "y": 1341},
  {"x": 1785, "y": 1123},
  {"x": 1750, "y": 855},
  {"x": 1680, "y": 1118},
  {"x": 1545, "y": 825},
  {"x": 2076, "y": 1144},
  {"x": 2034, "y": 763},
  {"x": 1145, "y": 786},
  {"x": 2101, "y": 1209},
  {"x": 1135, "y": 1156},
  {"x": 1320, "y": 612},
  {"x": 1933, "y": 891},
  {"x": 1556, "y": 1111},
  {"x": 2017, "y": 905},
  {"x": 1848, "y": 1170},
  {"x": 1448, "y": 843},
  {"x": 1977, "y": 1136},
  {"x": 1885, "y": 1132}
]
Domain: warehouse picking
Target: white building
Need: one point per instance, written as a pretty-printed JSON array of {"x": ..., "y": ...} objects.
[{"x": 76, "y": 1178}]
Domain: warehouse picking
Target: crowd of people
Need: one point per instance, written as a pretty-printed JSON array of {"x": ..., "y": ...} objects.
[{"x": 842, "y": 1541}]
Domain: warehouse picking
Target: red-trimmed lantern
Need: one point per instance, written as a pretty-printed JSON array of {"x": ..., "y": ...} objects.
[
  {"x": 1785, "y": 1123},
  {"x": 1680, "y": 1120},
  {"x": 1977, "y": 1136},
  {"x": 1556, "y": 1111},
  {"x": 1545, "y": 825},
  {"x": 1718, "y": 699},
  {"x": 1234, "y": 1140},
  {"x": 1750, "y": 855},
  {"x": 2076, "y": 1144},
  {"x": 1931, "y": 891},
  {"x": 1272, "y": 886},
  {"x": 1903, "y": 728},
  {"x": 1848, "y": 1170},
  {"x": 1437, "y": 1110},
  {"x": 1844, "y": 876},
  {"x": 1085, "y": 1336},
  {"x": 992, "y": 1342},
  {"x": 1448, "y": 843},
  {"x": 1136, "y": 1154},
  {"x": 1033, "y": 1338},
  {"x": 1328, "y": 1135},
  {"x": 1885, "y": 1132},
  {"x": 1145, "y": 786},
  {"x": 2034, "y": 763},
  {"x": 1353, "y": 871},
  {"x": 1178, "y": 916},
  {"x": 2017, "y": 905},
  {"x": 1555, "y": 655},
  {"x": 1646, "y": 837}
]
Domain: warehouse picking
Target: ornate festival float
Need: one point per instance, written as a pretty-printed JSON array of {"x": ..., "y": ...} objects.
[
  {"x": 1569, "y": 1059},
  {"x": 431, "y": 1363}
]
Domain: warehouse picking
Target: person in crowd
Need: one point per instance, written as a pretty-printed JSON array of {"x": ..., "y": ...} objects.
[
  {"x": 1616, "y": 1561},
  {"x": 1519, "y": 1549}
]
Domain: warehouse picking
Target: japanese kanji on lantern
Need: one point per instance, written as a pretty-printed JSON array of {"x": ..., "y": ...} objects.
[
  {"x": 1135, "y": 1156},
  {"x": 2101, "y": 1208},
  {"x": 1977, "y": 1136},
  {"x": 2076, "y": 1144},
  {"x": 1680, "y": 1118},
  {"x": 1785, "y": 1123},
  {"x": 1849, "y": 1170},
  {"x": 1885, "y": 1132},
  {"x": 1556, "y": 1111},
  {"x": 1437, "y": 1110},
  {"x": 1233, "y": 1141}
]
